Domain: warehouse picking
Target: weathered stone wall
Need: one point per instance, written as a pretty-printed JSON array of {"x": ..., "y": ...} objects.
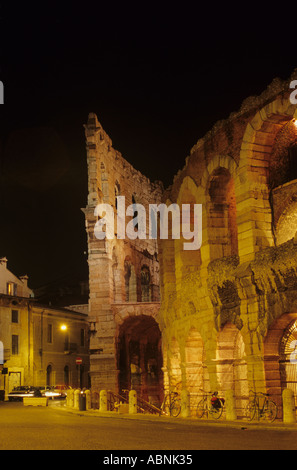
[
  {"x": 243, "y": 279},
  {"x": 122, "y": 272}
]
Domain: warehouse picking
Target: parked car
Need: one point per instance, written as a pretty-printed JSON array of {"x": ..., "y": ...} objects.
[
  {"x": 18, "y": 393},
  {"x": 58, "y": 391},
  {"x": 62, "y": 390}
]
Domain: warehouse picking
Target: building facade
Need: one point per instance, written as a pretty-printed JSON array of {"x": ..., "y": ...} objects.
[{"x": 36, "y": 350}]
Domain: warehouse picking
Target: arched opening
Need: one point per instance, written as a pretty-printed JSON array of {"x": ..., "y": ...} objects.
[
  {"x": 145, "y": 279},
  {"x": 232, "y": 365},
  {"x": 286, "y": 227},
  {"x": 288, "y": 358},
  {"x": 49, "y": 375},
  {"x": 66, "y": 376},
  {"x": 139, "y": 356},
  {"x": 282, "y": 162},
  {"x": 116, "y": 277},
  {"x": 130, "y": 281},
  {"x": 280, "y": 371},
  {"x": 117, "y": 192},
  {"x": 221, "y": 210},
  {"x": 283, "y": 182}
]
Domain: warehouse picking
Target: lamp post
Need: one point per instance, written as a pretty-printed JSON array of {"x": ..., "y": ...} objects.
[{"x": 64, "y": 329}]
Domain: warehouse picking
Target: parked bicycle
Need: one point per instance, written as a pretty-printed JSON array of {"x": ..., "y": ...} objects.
[
  {"x": 171, "y": 405},
  {"x": 210, "y": 406},
  {"x": 261, "y": 407}
]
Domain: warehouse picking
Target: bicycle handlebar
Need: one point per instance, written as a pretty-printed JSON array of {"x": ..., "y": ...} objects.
[{"x": 259, "y": 393}]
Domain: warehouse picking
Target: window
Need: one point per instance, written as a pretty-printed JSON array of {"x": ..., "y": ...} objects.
[
  {"x": 135, "y": 215},
  {"x": 49, "y": 333},
  {"x": 11, "y": 288},
  {"x": 14, "y": 316},
  {"x": 82, "y": 337},
  {"x": 117, "y": 192},
  {"x": 145, "y": 284},
  {"x": 14, "y": 345}
]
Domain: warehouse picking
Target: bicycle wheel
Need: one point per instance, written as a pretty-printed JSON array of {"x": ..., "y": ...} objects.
[
  {"x": 175, "y": 408},
  {"x": 216, "y": 410},
  {"x": 201, "y": 409},
  {"x": 270, "y": 411},
  {"x": 250, "y": 410}
]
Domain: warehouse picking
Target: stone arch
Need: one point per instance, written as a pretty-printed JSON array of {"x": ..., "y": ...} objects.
[
  {"x": 219, "y": 165},
  {"x": 275, "y": 359},
  {"x": 232, "y": 367},
  {"x": 139, "y": 357},
  {"x": 253, "y": 208}
]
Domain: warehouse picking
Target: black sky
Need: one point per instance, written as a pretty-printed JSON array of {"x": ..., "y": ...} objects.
[{"x": 157, "y": 75}]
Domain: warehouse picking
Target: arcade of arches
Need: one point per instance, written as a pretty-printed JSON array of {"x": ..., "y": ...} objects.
[
  {"x": 229, "y": 313},
  {"x": 227, "y": 318}
]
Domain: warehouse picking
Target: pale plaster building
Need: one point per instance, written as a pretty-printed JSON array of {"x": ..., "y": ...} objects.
[{"x": 36, "y": 350}]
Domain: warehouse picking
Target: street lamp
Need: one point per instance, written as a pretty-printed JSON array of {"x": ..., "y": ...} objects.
[{"x": 63, "y": 327}]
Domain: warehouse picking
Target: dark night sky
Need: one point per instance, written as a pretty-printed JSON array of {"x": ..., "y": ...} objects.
[{"x": 157, "y": 76}]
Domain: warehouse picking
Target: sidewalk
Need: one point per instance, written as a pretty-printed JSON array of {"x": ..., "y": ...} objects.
[{"x": 239, "y": 424}]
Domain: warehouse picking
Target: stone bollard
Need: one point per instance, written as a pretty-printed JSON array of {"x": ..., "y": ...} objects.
[
  {"x": 185, "y": 404},
  {"x": 88, "y": 400},
  {"x": 230, "y": 406},
  {"x": 289, "y": 410},
  {"x": 103, "y": 401},
  {"x": 132, "y": 402},
  {"x": 70, "y": 398},
  {"x": 76, "y": 399}
]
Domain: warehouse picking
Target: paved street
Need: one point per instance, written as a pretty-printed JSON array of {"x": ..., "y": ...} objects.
[{"x": 56, "y": 429}]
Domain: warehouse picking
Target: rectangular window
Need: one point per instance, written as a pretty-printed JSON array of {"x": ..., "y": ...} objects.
[
  {"x": 82, "y": 337},
  {"x": 14, "y": 345},
  {"x": 49, "y": 333},
  {"x": 15, "y": 316},
  {"x": 11, "y": 288}
]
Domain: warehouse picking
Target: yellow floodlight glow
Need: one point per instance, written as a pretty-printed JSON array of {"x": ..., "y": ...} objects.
[{"x": 63, "y": 327}]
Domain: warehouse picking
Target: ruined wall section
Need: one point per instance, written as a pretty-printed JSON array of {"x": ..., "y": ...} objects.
[{"x": 121, "y": 271}]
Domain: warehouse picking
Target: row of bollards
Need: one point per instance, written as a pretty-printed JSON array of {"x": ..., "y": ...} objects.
[
  {"x": 131, "y": 408},
  {"x": 81, "y": 400}
]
